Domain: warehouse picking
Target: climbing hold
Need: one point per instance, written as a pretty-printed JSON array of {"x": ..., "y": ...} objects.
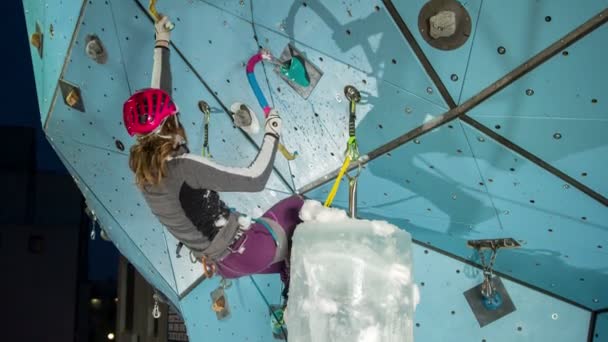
[
  {"x": 245, "y": 118},
  {"x": 220, "y": 303},
  {"x": 95, "y": 49},
  {"x": 443, "y": 24},
  {"x": 242, "y": 117},
  {"x": 37, "y": 39},
  {"x": 71, "y": 95},
  {"x": 296, "y": 71},
  {"x": 299, "y": 73}
]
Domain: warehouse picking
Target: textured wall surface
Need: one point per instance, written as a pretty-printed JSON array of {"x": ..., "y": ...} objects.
[{"x": 450, "y": 185}]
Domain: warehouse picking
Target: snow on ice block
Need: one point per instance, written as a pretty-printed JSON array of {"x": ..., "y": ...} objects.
[{"x": 351, "y": 280}]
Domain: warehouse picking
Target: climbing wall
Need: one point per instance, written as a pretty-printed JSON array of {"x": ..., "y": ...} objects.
[
  {"x": 601, "y": 328},
  {"x": 474, "y": 178}
]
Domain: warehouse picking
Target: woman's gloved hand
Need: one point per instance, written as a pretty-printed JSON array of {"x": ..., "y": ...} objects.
[
  {"x": 163, "y": 34},
  {"x": 273, "y": 123}
]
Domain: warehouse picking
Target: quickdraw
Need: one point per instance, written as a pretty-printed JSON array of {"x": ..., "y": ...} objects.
[
  {"x": 204, "y": 107},
  {"x": 208, "y": 268},
  {"x": 352, "y": 153},
  {"x": 255, "y": 59}
]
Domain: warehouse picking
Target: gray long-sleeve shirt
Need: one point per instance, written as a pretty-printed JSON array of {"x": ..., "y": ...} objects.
[{"x": 187, "y": 202}]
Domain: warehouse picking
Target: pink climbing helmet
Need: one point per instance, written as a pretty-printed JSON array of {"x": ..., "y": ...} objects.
[{"x": 146, "y": 110}]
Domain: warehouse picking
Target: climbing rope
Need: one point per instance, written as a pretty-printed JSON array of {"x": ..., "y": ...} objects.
[
  {"x": 204, "y": 107},
  {"x": 352, "y": 149},
  {"x": 157, "y": 17},
  {"x": 253, "y": 83}
]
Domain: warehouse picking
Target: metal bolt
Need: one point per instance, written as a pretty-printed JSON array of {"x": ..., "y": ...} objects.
[
  {"x": 506, "y": 212},
  {"x": 595, "y": 300},
  {"x": 119, "y": 145},
  {"x": 429, "y": 90},
  {"x": 557, "y": 136},
  {"x": 566, "y": 186},
  {"x": 555, "y": 316},
  {"x": 454, "y": 196},
  {"x": 454, "y": 77},
  {"x": 529, "y": 92},
  {"x": 416, "y": 141},
  {"x": 501, "y": 50},
  {"x": 408, "y": 110},
  {"x": 481, "y": 139}
]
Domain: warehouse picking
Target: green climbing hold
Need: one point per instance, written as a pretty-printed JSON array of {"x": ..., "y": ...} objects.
[{"x": 295, "y": 71}]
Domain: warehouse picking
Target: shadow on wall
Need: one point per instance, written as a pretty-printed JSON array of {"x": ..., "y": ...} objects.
[
  {"x": 411, "y": 166},
  {"x": 539, "y": 264}
]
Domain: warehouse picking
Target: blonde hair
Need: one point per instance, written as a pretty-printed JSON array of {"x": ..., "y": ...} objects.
[{"x": 149, "y": 155}]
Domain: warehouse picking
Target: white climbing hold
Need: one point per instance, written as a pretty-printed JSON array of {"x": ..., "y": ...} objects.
[{"x": 237, "y": 110}]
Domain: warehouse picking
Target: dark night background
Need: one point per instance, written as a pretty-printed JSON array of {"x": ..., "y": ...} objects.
[{"x": 50, "y": 268}]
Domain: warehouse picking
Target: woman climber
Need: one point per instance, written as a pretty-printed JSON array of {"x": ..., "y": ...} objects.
[{"x": 182, "y": 189}]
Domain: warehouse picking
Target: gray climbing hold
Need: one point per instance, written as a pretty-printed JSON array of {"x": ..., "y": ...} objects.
[{"x": 443, "y": 24}]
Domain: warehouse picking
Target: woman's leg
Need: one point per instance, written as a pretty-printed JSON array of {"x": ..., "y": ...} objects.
[
  {"x": 287, "y": 214},
  {"x": 260, "y": 246}
]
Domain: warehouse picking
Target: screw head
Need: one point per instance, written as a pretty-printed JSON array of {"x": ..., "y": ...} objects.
[
  {"x": 454, "y": 77},
  {"x": 429, "y": 90},
  {"x": 501, "y": 50},
  {"x": 557, "y": 136},
  {"x": 481, "y": 139},
  {"x": 416, "y": 141},
  {"x": 119, "y": 145},
  {"x": 408, "y": 110},
  {"x": 529, "y": 92}
]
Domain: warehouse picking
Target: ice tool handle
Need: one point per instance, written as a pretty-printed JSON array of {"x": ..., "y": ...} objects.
[
  {"x": 157, "y": 17},
  {"x": 253, "y": 83}
]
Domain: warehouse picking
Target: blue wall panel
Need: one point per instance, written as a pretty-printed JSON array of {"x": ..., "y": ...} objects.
[
  {"x": 523, "y": 30},
  {"x": 249, "y": 321},
  {"x": 58, "y": 20},
  {"x": 63, "y": 16},
  {"x": 356, "y": 33},
  {"x": 318, "y": 127},
  {"x": 438, "y": 194},
  {"x": 564, "y": 121},
  {"x": 564, "y": 231},
  {"x": 601, "y": 328},
  {"x": 444, "y": 315}
]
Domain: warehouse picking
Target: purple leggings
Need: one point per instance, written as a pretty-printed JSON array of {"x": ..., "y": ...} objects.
[{"x": 260, "y": 246}]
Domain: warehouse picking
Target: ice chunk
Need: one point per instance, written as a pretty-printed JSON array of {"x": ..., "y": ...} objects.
[{"x": 351, "y": 280}]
